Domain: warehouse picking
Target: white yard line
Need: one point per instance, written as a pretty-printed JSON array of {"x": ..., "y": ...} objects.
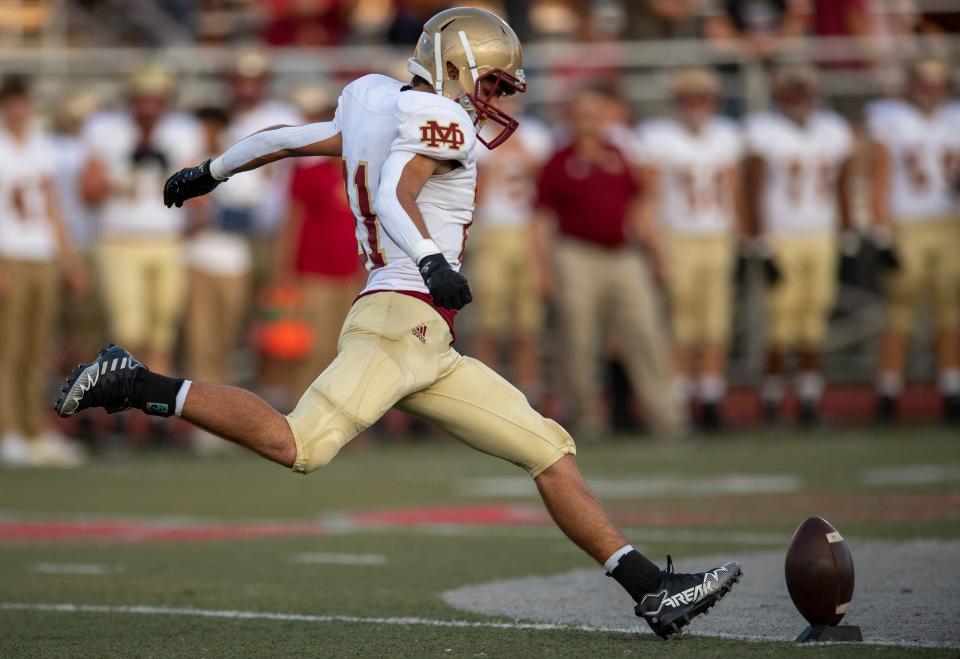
[
  {"x": 912, "y": 475},
  {"x": 370, "y": 620},
  {"x": 79, "y": 569},
  {"x": 611, "y": 488},
  {"x": 322, "y": 558},
  {"x": 299, "y": 617}
]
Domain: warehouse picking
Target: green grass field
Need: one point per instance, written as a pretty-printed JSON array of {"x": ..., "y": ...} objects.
[{"x": 387, "y": 528}]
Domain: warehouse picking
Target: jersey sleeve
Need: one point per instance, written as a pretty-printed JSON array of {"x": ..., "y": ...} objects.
[
  {"x": 436, "y": 131},
  {"x": 754, "y": 132},
  {"x": 650, "y": 144}
]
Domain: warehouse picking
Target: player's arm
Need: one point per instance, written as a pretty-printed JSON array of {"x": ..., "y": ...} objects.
[
  {"x": 881, "y": 178},
  {"x": 644, "y": 215},
  {"x": 73, "y": 267},
  {"x": 267, "y": 146},
  {"x": 755, "y": 176},
  {"x": 402, "y": 179}
]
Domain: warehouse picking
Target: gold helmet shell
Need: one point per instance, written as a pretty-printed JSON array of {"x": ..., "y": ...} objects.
[{"x": 460, "y": 47}]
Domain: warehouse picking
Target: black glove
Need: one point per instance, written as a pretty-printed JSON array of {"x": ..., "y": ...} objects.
[
  {"x": 448, "y": 288},
  {"x": 771, "y": 270},
  {"x": 887, "y": 258},
  {"x": 187, "y": 184},
  {"x": 849, "y": 269}
]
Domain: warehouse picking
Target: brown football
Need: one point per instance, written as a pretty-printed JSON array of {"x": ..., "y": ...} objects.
[{"x": 819, "y": 571}]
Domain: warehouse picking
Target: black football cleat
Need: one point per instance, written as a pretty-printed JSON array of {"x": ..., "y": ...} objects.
[
  {"x": 108, "y": 381},
  {"x": 886, "y": 412},
  {"x": 951, "y": 410},
  {"x": 809, "y": 415},
  {"x": 711, "y": 418},
  {"x": 682, "y": 597}
]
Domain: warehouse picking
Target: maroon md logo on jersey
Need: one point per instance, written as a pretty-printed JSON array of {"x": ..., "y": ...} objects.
[{"x": 433, "y": 135}]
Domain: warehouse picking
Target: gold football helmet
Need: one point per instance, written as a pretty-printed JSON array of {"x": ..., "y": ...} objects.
[{"x": 461, "y": 47}]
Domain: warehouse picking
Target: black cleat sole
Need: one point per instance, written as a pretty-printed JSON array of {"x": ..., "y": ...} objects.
[{"x": 670, "y": 627}]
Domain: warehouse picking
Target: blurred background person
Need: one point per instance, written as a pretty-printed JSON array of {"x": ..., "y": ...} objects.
[
  {"x": 589, "y": 195},
  {"x": 510, "y": 308},
  {"x": 915, "y": 170},
  {"x": 139, "y": 256},
  {"x": 35, "y": 250},
  {"x": 83, "y": 319},
  {"x": 317, "y": 249},
  {"x": 692, "y": 186},
  {"x": 219, "y": 264},
  {"x": 798, "y": 169},
  {"x": 756, "y": 29}
]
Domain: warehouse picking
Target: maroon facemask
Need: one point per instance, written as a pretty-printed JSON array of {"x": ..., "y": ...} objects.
[{"x": 486, "y": 110}]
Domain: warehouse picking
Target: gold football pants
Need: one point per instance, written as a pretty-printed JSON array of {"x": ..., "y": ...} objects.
[
  {"x": 394, "y": 351},
  {"x": 700, "y": 284},
  {"x": 798, "y": 306},
  {"x": 929, "y": 268}
]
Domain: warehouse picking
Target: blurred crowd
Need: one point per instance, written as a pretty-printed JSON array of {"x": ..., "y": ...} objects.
[
  {"x": 750, "y": 27},
  {"x": 605, "y": 256}
]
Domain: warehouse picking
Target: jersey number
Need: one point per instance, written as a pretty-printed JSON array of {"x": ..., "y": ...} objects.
[{"x": 372, "y": 250}]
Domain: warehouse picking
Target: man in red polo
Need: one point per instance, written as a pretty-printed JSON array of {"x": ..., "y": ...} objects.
[{"x": 603, "y": 277}]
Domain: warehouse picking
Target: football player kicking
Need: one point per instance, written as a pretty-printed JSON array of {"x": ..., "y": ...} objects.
[{"x": 408, "y": 150}]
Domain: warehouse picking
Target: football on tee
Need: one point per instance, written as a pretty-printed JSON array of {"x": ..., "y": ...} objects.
[{"x": 819, "y": 572}]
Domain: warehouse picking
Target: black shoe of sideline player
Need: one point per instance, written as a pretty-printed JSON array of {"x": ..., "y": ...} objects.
[
  {"x": 682, "y": 597},
  {"x": 711, "y": 418},
  {"x": 886, "y": 414},
  {"x": 109, "y": 381},
  {"x": 951, "y": 410}
]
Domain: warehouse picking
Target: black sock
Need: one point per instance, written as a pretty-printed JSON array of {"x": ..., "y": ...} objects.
[
  {"x": 155, "y": 394},
  {"x": 637, "y": 574}
]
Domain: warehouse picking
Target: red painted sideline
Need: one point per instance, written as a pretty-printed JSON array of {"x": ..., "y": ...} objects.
[{"x": 128, "y": 531}]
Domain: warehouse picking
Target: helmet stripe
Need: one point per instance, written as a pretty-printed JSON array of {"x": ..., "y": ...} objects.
[
  {"x": 438, "y": 59},
  {"x": 469, "y": 53}
]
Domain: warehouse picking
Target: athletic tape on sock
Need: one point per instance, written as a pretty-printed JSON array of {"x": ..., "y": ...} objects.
[
  {"x": 614, "y": 560},
  {"x": 182, "y": 397}
]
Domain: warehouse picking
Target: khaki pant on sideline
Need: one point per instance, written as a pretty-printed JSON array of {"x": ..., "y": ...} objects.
[
  {"x": 143, "y": 282},
  {"x": 701, "y": 288},
  {"x": 929, "y": 267},
  {"x": 395, "y": 351},
  {"x": 798, "y": 307},
  {"x": 506, "y": 290},
  {"x": 326, "y": 302},
  {"x": 599, "y": 288},
  {"x": 216, "y": 306},
  {"x": 28, "y": 313}
]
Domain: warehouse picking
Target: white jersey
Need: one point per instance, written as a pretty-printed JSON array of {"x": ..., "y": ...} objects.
[
  {"x": 71, "y": 155},
  {"x": 509, "y": 176},
  {"x": 695, "y": 192},
  {"x": 377, "y": 119},
  {"x": 801, "y": 167},
  {"x": 137, "y": 172},
  {"x": 26, "y": 232},
  {"x": 925, "y": 155}
]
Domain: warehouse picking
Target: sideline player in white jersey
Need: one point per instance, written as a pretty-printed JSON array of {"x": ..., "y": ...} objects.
[
  {"x": 511, "y": 307},
  {"x": 35, "y": 252},
  {"x": 798, "y": 169},
  {"x": 411, "y": 166},
  {"x": 915, "y": 171},
  {"x": 691, "y": 165}
]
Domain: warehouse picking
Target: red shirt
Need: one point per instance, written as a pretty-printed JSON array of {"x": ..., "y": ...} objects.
[
  {"x": 327, "y": 244},
  {"x": 591, "y": 200}
]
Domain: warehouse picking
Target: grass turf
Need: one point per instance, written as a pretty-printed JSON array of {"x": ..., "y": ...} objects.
[{"x": 836, "y": 475}]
